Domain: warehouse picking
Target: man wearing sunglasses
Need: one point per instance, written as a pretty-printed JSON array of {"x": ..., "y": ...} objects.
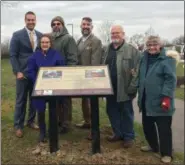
[
  {"x": 66, "y": 45},
  {"x": 23, "y": 43}
]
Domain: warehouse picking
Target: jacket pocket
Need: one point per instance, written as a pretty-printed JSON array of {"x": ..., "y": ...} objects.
[{"x": 125, "y": 64}]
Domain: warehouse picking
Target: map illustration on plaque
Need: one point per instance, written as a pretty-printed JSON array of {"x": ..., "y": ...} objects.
[
  {"x": 52, "y": 74},
  {"x": 94, "y": 73}
]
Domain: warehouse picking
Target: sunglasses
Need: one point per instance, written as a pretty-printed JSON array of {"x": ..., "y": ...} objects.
[{"x": 54, "y": 24}]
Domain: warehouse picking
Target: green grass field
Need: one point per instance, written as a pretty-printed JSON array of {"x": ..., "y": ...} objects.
[
  {"x": 180, "y": 72},
  {"x": 74, "y": 147}
]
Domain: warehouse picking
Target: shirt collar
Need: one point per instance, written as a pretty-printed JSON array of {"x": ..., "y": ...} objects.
[
  {"x": 85, "y": 38},
  {"x": 28, "y": 31},
  {"x": 112, "y": 47}
]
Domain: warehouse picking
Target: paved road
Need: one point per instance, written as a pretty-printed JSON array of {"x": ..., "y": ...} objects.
[{"x": 177, "y": 124}]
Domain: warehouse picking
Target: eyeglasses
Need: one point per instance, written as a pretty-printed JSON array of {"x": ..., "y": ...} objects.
[
  {"x": 152, "y": 45},
  {"x": 115, "y": 33},
  {"x": 54, "y": 24}
]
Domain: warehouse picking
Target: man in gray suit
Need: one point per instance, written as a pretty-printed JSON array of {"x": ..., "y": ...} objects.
[
  {"x": 89, "y": 53},
  {"x": 23, "y": 43}
]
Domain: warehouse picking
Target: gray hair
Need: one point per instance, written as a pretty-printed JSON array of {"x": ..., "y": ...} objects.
[
  {"x": 154, "y": 39},
  {"x": 116, "y": 25}
]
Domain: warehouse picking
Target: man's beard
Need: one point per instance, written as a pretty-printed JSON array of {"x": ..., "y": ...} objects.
[
  {"x": 86, "y": 32},
  {"x": 57, "y": 31},
  {"x": 116, "y": 41}
]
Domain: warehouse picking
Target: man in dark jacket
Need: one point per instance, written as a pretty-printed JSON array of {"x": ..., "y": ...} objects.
[
  {"x": 23, "y": 43},
  {"x": 123, "y": 61},
  {"x": 66, "y": 45}
]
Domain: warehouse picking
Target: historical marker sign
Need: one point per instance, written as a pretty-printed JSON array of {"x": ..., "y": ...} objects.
[{"x": 73, "y": 81}]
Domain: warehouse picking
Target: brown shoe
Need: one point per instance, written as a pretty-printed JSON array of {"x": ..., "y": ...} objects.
[
  {"x": 83, "y": 125},
  {"x": 19, "y": 133},
  {"x": 33, "y": 126},
  {"x": 128, "y": 144},
  {"x": 113, "y": 138}
]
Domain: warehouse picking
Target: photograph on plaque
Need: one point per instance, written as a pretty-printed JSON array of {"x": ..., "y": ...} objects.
[
  {"x": 73, "y": 81},
  {"x": 52, "y": 74},
  {"x": 95, "y": 73}
]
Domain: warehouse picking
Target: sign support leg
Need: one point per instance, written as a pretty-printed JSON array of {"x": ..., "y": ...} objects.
[
  {"x": 95, "y": 132},
  {"x": 53, "y": 126}
]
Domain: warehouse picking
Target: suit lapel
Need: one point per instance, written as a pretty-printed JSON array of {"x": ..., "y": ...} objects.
[
  {"x": 27, "y": 38},
  {"x": 78, "y": 42},
  {"x": 85, "y": 44}
]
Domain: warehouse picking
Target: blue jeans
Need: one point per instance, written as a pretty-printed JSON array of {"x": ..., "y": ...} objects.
[
  {"x": 121, "y": 116},
  {"x": 23, "y": 89}
]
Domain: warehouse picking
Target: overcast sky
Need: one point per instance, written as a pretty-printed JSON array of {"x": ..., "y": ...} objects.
[{"x": 166, "y": 17}]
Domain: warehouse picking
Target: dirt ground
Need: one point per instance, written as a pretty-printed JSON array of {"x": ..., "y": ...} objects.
[{"x": 78, "y": 152}]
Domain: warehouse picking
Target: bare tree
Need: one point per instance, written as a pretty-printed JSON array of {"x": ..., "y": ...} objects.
[
  {"x": 150, "y": 31},
  {"x": 104, "y": 30},
  {"x": 137, "y": 39},
  {"x": 166, "y": 42},
  {"x": 5, "y": 49},
  {"x": 178, "y": 40}
]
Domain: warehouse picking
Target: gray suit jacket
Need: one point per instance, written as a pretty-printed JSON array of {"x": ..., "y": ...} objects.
[
  {"x": 91, "y": 53},
  {"x": 21, "y": 50}
]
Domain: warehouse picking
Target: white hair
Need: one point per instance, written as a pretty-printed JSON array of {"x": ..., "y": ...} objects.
[{"x": 117, "y": 25}]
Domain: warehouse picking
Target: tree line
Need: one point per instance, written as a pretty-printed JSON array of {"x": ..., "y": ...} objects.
[
  {"x": 137, "y": 39},
  {"x": 104, "y": 31}
]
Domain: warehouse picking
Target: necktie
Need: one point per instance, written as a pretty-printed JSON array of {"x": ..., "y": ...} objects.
[{"x": 32, "y": 39}]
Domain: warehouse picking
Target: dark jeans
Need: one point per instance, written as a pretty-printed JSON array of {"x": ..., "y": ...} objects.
[
  {"x": 121, "y": 116},
  {"x": 164, "y": 131},
  {"x": 23, "y": 90}
]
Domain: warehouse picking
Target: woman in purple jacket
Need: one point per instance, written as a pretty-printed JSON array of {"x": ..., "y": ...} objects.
[{"x": 44, "y": 57}]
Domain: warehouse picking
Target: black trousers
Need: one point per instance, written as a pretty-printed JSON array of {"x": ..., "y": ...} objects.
[
  {"x": 42, "y": 125},
  {"x": 164, "y": 131}
]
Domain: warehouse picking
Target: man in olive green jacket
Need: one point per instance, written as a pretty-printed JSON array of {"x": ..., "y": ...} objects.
[
  {"x": 123, "y": 61},
  {"x": 89, "y": 53},
  {"x": 64, "y": 43}
]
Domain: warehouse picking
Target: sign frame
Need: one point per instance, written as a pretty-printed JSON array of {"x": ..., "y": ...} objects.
[{"x": 70, "y": 93}]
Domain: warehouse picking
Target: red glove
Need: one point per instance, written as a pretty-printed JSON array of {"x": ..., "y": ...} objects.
[{"x": 165, "y": 103}]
